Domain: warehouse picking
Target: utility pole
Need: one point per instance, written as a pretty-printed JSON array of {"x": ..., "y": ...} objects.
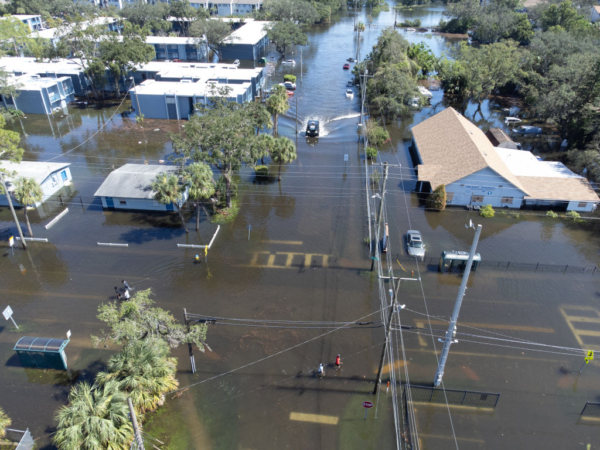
[
  {"x": 388, "y": 331},
  {"x": 12, "y": 209},
  {"x": 452, "y": 327},
  {"x": 379, "y": 214},
  {"x": 136, "y": 430},
  {"x": 190, "y": 348}
]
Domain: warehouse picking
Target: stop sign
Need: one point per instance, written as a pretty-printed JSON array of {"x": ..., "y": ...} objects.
[{"x": 368, "y": 404}]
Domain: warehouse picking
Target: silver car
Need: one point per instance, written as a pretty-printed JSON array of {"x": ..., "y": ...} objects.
[{"x": 414, "y": 244}]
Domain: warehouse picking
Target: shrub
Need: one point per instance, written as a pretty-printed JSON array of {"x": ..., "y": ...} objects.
[
  {"x": 573, "y": 215},
  {"x": 437, "y": 199},
  {"x": 487, "y": 211},
  {"x": 261, "y": 171},
  {"x": 371, "y": 153},
  {"x": 376, "y": 134},
  {"x": 289, "y": 77},
  {"x": 551, "y": 214}
]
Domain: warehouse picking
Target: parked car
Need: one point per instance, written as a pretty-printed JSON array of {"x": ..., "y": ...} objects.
[
  {"x": 176, "y": 60},
  {"x": 291, "y": 62},
  {"x": 236, "y": 62},
  {"x": 528, "y": 129},
  {"x": 349, "y": 93},
  {"x": 346, "y": 66},
  {"x": 414, "y": 244},
  {"x": 351, "y": 60},
  {"x": 289, "y": 85},
  {"x": 312, "y": 128},
  {"x": 511, "y": 120}
]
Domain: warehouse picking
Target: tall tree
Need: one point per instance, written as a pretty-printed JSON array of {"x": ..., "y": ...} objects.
[
  {"x": 16, "y": 32},
  {"x": 136, "y": 320},
  {"x": 4, "y": 423},
  {"x": 277, "y": 104},
  {"x": 168, "y": 190},
  {"x": 147, "y": 14},
  {"x": 285, "y": 34},
  {"x": 288, "y": 10},
  {"x": 186, "y": 14},
  {"x": 123, "y": 52},
  {"x": 283, "y": 152},
  {"x": 96, "y": 418},
  {"x": 9, "y": 143},
  {"x": 145, "y": 371},
  {"x": 215, "y": 32},
  {"x": 198, "y": 178},
  {"x": 28, "y": 192}
]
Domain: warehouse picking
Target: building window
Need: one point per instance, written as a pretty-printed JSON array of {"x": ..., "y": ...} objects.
[
  {"x": 477, "y": 199},
  {"x": 506, "y": 200},
  {"x": 122, "y": 202},
  {"x": 582, "y": 205},
  {"x": 449, "y": 197}
]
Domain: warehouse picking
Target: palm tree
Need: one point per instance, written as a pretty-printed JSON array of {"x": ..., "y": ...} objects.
[
  {"x": 284, "y": 151},
  {"x": 259, "y": 148},
  {"x": 96, "y": 418},
  {"x": 4, "y": 423},
  {"x": 198, "y": 177},
  {"x": 277, "y": 104},
  {"x": 167, "y": 190},
  {"x": 144, "y": 371},
  {"x": 28, "y": 192},
  {"x": 259, "y": 116}
]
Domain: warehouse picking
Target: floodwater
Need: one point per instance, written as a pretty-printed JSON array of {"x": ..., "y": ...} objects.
[{"x": 304, "y": 259}]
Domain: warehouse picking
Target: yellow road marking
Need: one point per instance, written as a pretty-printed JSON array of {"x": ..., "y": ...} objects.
[
  {"x": 314, "y": 418},
  {"x": 308, "y": 260},
  {"x": 437, "y": 436},
  {"x": 282, "y": 242},
  {"x": 498, "y": 326},
  {"x": 290, "y": 257},
  {"x": 386, "y": 368},
  {"x": 476, "y": 408},
  {"x": 422, "y": 341},
  {"x": 572, "y": 320}
]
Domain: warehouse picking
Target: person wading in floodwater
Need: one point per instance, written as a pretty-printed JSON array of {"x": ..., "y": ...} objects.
[
  {"x": 321, "y": 371},
  {"x": 338, "y": 362}
]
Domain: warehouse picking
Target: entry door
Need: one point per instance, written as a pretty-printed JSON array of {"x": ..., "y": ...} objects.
[
  {"x": 109, "y": 202},
  {"x": 171, "y": 108}
]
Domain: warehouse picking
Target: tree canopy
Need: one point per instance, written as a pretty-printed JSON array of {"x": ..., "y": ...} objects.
[
  {"x": 285, "y": 34},
  {"x": 215, "y": 31}
]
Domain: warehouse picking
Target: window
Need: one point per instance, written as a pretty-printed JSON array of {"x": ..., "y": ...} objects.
[
  {"x": 506, "y": 200},
  {"x": 582, "y": 205},
  {"x": 477, "y": 199},
  {"x": 122, "y": 202},
  {"x": 449, "y": 197}
]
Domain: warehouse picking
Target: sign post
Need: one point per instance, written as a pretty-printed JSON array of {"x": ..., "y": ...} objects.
[
  {"x": 7, "y": 313},
  {"x": 367, "y": 406}
]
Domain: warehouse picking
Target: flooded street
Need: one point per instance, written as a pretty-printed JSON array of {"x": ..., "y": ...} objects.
[{"x": 305, "y": 259}]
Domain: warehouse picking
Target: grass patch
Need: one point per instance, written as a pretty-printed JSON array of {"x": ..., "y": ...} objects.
[
  {"x": 168, "y": 425},
  {"x": 226, "y": 215}
]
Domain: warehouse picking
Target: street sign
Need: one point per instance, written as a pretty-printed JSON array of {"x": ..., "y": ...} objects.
[
  {"x": 368, "y": 404},
  {"x": 11, "y": 242},
  {"x": 7, "y": 313},
  {"x": 345, "y": 158}
]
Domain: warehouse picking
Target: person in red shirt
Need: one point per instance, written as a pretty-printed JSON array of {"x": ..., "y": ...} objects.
[{"x": 338, "y": 361}]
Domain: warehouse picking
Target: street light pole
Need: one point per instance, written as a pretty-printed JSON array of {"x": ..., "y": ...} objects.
[
  {"x": 379, "y": 214},
  {"x": 388, "y": 330},
  {"x": 452, "y": 327},
  {"x": 12, "y": 209}
]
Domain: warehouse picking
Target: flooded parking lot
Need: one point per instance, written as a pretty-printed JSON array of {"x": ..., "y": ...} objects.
[{"x": 305, "y": 260}]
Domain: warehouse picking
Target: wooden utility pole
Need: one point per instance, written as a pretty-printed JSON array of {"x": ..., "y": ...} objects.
[
  {"x": 388, "y": 331},
  {"x": 136, "y": 429},
  {"x": 12, "y": 209},
  {"x": 190, "y": 348},
  {"x": 379, "y": 214}
]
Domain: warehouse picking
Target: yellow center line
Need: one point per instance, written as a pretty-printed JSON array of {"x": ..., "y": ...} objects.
[
  {"x": 314, "y": 418},
  {"x": 54, "y": 294},
  {"x": 446, "y": 405},
  {"x": 282, "y": 242},
  {"x": 437, "y": 436}
]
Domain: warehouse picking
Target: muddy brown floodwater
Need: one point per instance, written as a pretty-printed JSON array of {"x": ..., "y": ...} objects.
[{"x": 305, "y": 260}]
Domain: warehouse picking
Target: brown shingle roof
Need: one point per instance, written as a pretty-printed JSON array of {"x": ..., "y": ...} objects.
[
  {"x": 555, "y": 188},
  {"x": 497, "y": 136},
  {"x": 451, "y": 142},
  {"x": 597, "y": 8}
]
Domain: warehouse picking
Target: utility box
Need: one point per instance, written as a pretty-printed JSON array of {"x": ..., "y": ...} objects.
[{"x": 42, "y": 353}]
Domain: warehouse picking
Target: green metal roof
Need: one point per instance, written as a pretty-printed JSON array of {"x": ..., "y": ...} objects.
[{"x": 40, "y": 344}]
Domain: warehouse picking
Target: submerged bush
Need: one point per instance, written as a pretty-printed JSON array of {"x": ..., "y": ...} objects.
[
  {"x": 437, "y": 199},
  {"x": 551, "y": 214},
  {"x": 487, "y": 211},
  {"x": 371, "y": 153}
]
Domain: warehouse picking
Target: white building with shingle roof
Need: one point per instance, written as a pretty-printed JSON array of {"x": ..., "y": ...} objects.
[{"x": 452, "y": 151}]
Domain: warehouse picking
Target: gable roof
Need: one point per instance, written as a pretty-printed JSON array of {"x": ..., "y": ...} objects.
[
  {"x": 132, "y": 181},
  {"x": 37, "y": 170},
  {"x": 597, "y": 8},
  {"x": 451, "y": 147}
]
